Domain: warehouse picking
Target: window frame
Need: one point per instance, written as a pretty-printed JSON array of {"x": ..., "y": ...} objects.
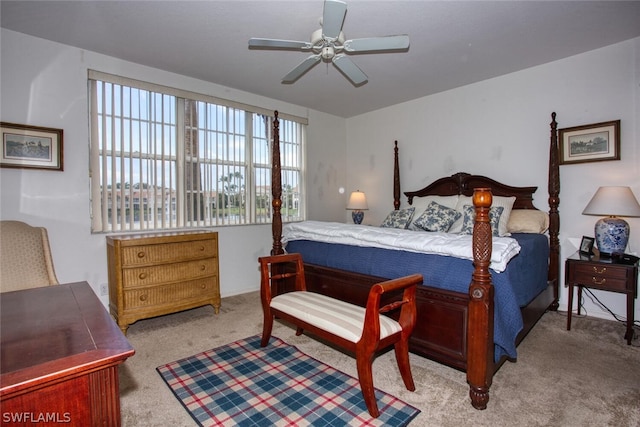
[{"x": 248, "y": 211}]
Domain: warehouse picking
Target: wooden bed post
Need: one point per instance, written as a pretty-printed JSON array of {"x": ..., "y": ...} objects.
[
  {"x": 276, "y": 189},
  {"x": 554, "y": 216},
  {"x": 396, "y": 178},
  {"x": 480, "y": 317}
]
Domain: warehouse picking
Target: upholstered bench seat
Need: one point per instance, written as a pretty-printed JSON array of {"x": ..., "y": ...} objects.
[
  {"x": 361, "y": 330},
  {"x": 334, "y": 316}
]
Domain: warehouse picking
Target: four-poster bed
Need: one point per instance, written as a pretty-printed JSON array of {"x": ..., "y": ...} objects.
[{"x": 455, "y": 326}]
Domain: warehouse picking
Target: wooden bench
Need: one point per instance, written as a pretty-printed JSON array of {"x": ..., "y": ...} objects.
[{"x": 363, "y": 331}]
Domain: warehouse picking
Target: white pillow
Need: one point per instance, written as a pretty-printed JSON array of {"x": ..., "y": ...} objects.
[
  {"x": 528, "y": 221},
  {"x": 505, "y": 202}
]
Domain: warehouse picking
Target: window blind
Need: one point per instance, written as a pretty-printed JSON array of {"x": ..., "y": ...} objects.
[{"x": 159, "y": 160}]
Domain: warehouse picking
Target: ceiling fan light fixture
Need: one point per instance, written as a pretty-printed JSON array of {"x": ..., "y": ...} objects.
[{"x": 327, "y": 53}]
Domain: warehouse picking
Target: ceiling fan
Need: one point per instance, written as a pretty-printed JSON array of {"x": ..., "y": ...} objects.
[{"x": 328, "y": 44}]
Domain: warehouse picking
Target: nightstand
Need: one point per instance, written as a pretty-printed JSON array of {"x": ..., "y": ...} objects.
[{"x": 606, "y": 274}]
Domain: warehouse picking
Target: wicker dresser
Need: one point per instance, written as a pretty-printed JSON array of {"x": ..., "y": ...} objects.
[{"x": 161, "y": 273}]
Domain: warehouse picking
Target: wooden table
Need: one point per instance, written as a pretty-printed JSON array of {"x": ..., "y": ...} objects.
[
  {"x": 60, "y": 352},
  {"x": 606, "y": 274}
]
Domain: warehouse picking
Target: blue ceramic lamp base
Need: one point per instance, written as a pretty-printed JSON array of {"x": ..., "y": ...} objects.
[
  {"x": 612, "y": 235},
  {"x": 357, "y": 216}
]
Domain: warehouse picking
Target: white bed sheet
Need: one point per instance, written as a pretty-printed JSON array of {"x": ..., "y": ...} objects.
[{"x": 446, "y": 244}]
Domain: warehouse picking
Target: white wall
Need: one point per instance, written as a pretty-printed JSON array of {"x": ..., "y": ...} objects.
[
  {"x": 326, "y": 167},
  {"x": 45, "y": 84},
  {"x": 500, "y": 128}
]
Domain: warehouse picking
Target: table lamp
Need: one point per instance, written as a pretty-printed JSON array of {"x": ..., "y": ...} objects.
[
  {"x": 357, "y": 203},
  {"x": 612, "y": 233}
]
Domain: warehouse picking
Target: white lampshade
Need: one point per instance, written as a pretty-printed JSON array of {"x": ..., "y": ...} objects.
[
  {"x": 357, "y": 201},
  {"x": 612, "y": 234},
  {"x": 613, "y": 201}
]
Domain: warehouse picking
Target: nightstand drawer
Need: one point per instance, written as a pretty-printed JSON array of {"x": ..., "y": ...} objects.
[
  {"x": 598, "y": 275},
  {"x": 598, "y": 280}
]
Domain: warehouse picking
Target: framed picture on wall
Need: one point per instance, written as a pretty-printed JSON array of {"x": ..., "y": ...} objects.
[
  {"x": 31, "y": 147},
  {"x": 590, "y": 143}
]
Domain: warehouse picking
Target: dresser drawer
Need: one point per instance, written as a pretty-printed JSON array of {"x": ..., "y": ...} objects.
[
  {"x": 166, "y": 273},
  {"x": 168, "y": 252},
  {"x": 167, "y": 295},
  {"x": 593, "y": 275}
]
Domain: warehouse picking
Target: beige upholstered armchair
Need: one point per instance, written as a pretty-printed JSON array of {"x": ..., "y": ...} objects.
[{"x": 25, "y": 257}]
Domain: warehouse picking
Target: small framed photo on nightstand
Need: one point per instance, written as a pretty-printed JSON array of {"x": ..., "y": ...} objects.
[{"x": 586, "y": 246}]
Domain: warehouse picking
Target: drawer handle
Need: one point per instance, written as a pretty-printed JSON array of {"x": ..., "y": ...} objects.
[
  {"x": 142, "y": 276},
  {"x": 599, "y": 282},
  {"x": 203, "y": 267},
  {"x": 203, "y": 286},
  {"x": 143, "y": 297},
  {"x": 141, "y": 254},
  {"x": 602, "y": 271},
  {"x": 201, "y": 248}
]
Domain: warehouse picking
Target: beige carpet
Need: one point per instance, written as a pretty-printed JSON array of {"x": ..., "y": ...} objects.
[{"x": 585, "y": 377}]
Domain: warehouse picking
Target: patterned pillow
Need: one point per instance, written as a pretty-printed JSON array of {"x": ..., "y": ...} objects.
[
  {"x": 495, "y": 212},
  {"x": 437, "y": 218},
  {"x": 505, "y": 202},
  {"x": 398, "y": 219}
]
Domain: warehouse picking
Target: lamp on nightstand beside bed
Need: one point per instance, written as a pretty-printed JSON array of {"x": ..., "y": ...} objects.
[
  {"x": 612, "y": 233},
  {"x": 357, "y": 204}
]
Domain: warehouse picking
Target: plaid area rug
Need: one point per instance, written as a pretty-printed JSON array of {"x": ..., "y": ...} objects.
[{"x": 245, "y": 385}]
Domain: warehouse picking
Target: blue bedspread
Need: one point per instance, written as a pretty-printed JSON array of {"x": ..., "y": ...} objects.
[{"x": 524, "y": 278}]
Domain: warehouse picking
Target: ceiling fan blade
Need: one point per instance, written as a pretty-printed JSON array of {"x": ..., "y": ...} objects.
[
  {"x": 278, "y": 44},
  {"x": 372, "y": 44},
  {"x": 333, "y": 17},
  {"x": 302, "y": 68},
  {"x": 350, "y": 69}
]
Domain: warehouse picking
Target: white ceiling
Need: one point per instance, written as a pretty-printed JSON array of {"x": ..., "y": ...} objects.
[{"x": 453, "y": 43}]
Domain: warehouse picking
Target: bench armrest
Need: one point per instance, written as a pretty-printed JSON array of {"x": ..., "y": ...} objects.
[
  {"x": 272, "y": 267},
  {"x": 407, "y": 319}
]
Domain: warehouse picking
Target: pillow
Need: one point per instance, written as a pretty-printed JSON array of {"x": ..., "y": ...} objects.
[
  {"x": 437, "y": 218},
  {"x": 422, "y": 203},
  {"x": 528, "y": 221},
  {"x": 398, "y": 219},
  {"x": 495, "y": 212},
  {"x": 498, "y": 201}
]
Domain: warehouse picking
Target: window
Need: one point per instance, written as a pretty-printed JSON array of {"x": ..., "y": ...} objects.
[{"x": 162, "y": 159}]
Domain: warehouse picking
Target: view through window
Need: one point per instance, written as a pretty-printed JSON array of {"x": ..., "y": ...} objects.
[{"x": 164, "y": 161}]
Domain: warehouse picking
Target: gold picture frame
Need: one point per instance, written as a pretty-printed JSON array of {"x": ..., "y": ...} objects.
[
  {"x": 31, "y": 147},
  {"x": 590, "y": 143}
]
